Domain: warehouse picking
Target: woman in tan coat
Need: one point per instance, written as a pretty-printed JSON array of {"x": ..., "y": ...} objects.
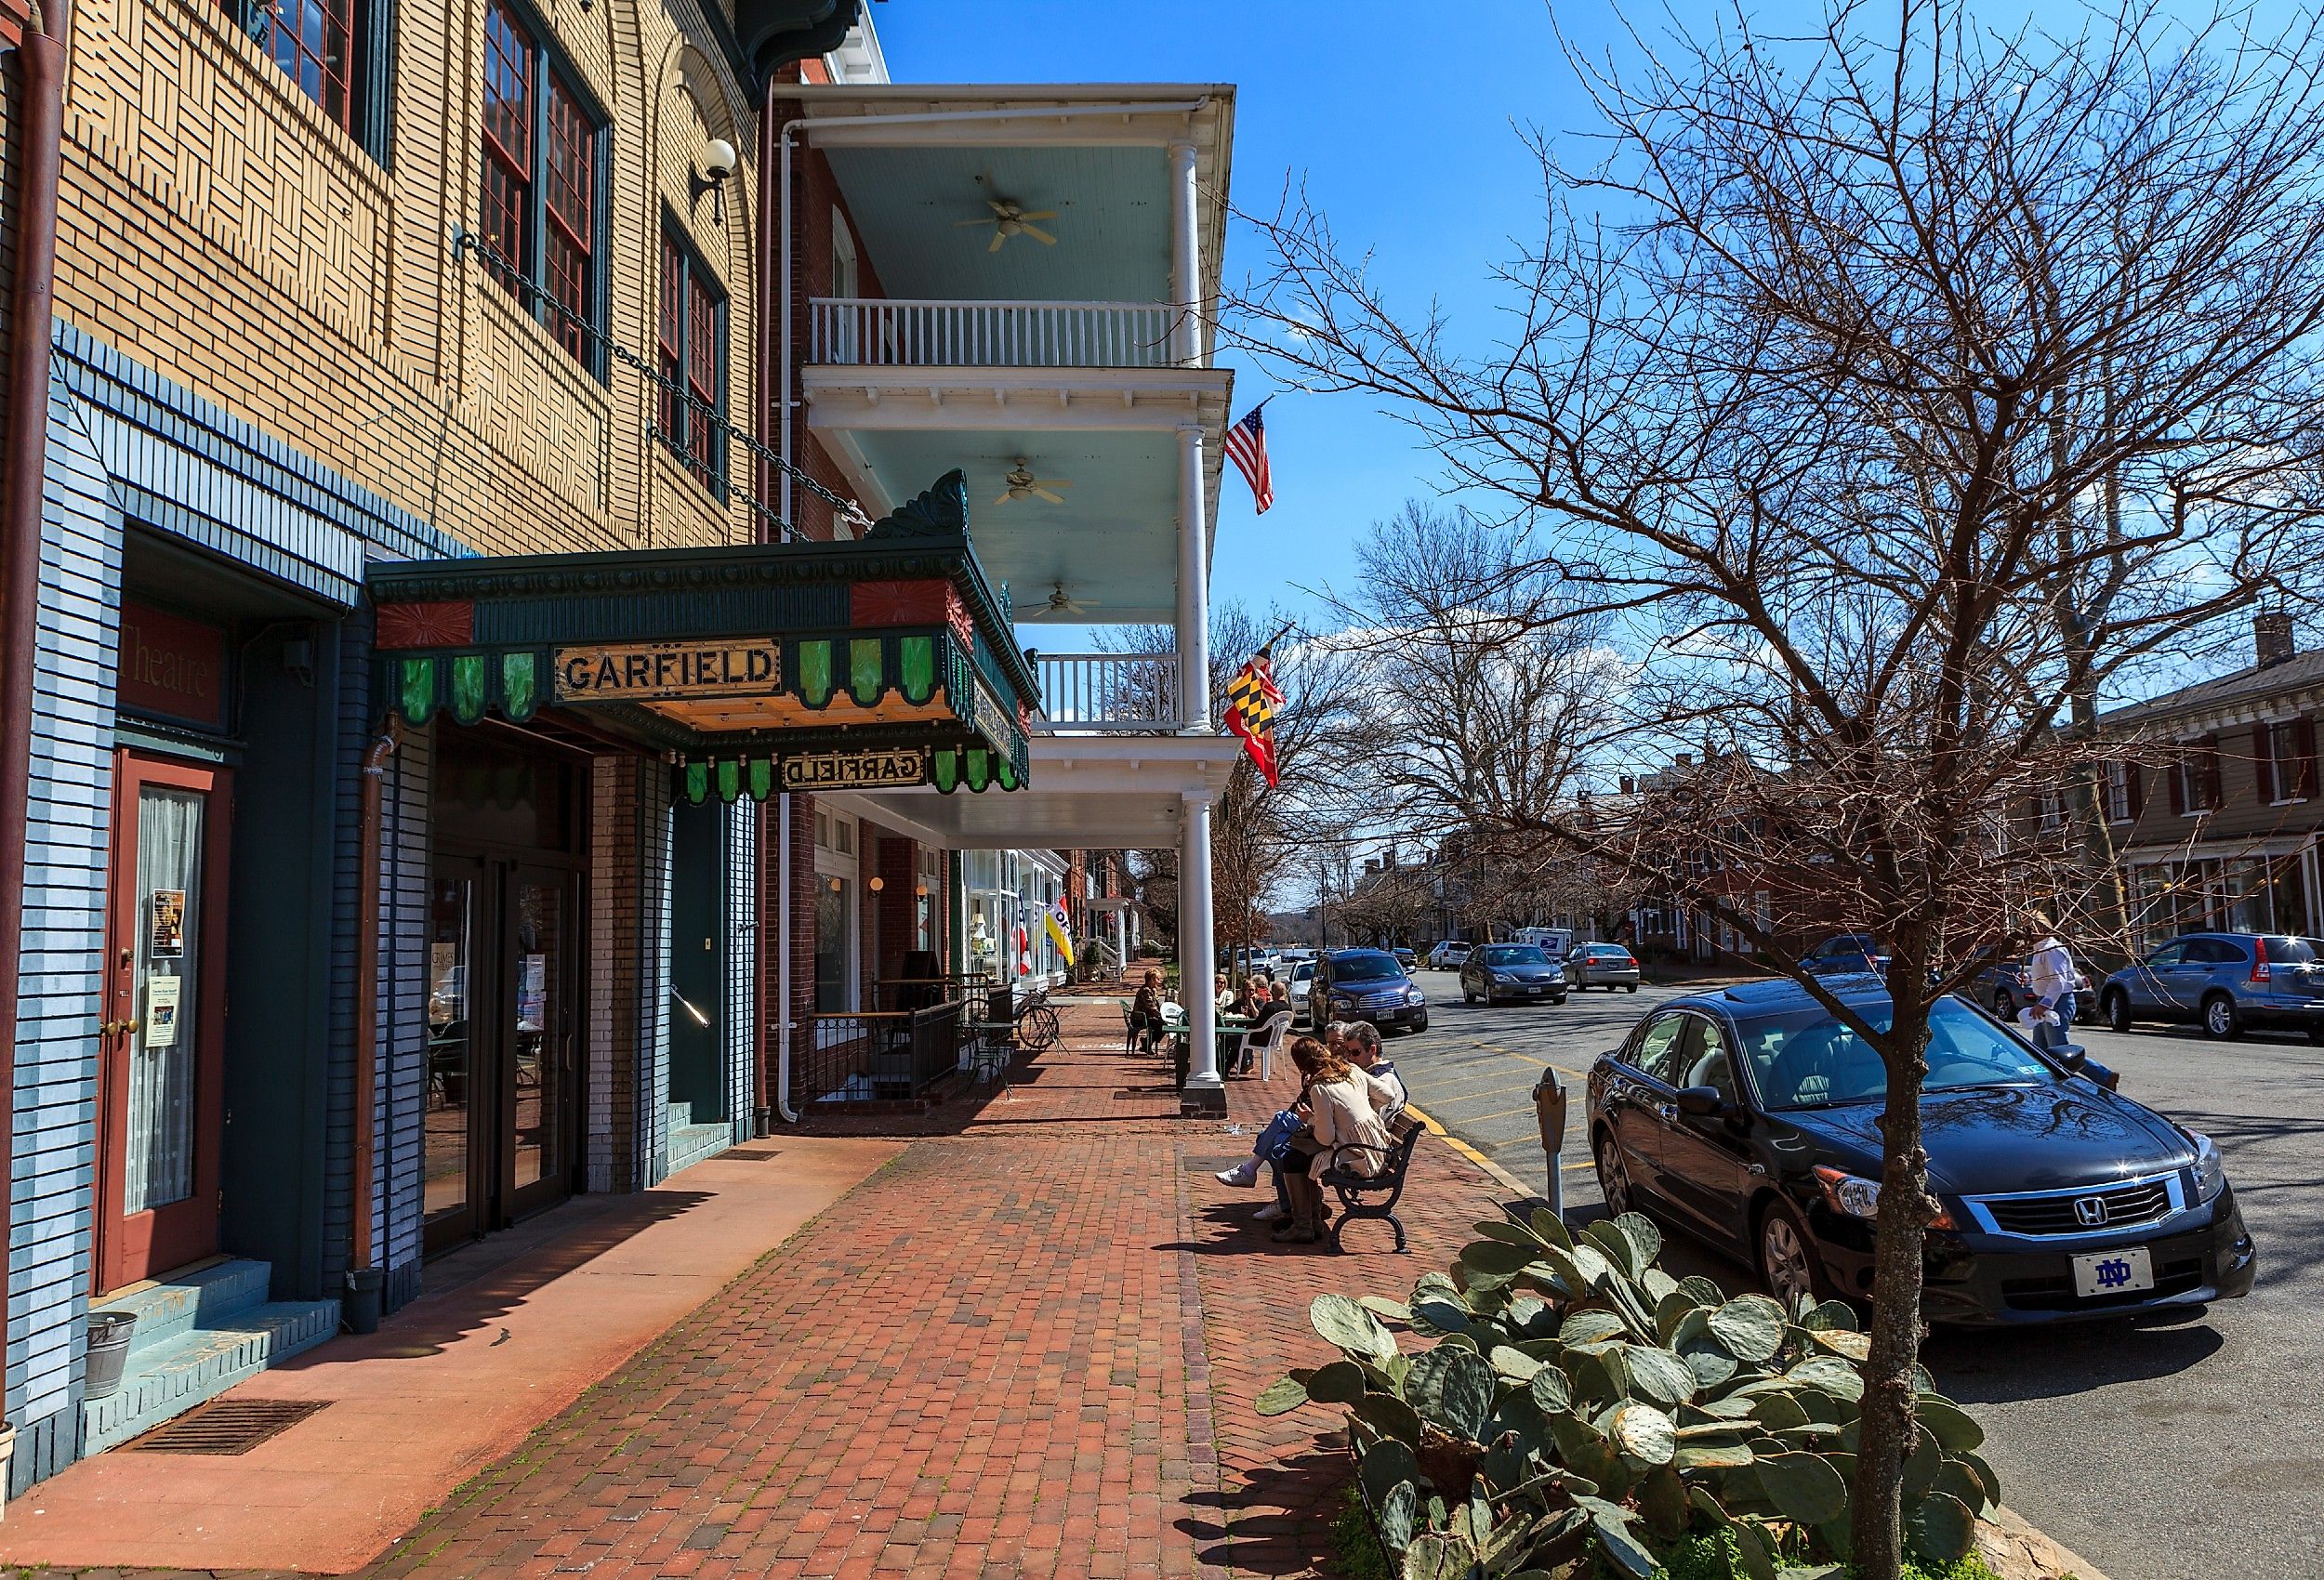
[{"x": 1336, "y": 1100}]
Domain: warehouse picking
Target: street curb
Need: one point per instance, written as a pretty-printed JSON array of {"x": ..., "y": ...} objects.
[
  {"x": 1465, "y": 1150},
  {"x": 2052, "y": 1557}
]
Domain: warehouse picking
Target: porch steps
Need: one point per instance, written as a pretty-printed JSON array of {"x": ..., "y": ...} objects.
[
  {"x": 198, "y": 1334},
  {"x": 689, "y": 1142}
]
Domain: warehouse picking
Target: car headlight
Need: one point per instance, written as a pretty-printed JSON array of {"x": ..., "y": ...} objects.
[
  {"x": 2210, "y": 1169},
  {"x": 1414, "y": 995},
  {"x": 1859, "y": 1197},
  {"x": 1340, "y": 1003}
]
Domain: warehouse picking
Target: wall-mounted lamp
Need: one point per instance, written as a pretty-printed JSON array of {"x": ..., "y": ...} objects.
[
  {"x": 718, "y": 164},
  {"x": 837, "y": 886},
  {"x": 919, "y": 891},
  {"x": 877, "y": 884}
]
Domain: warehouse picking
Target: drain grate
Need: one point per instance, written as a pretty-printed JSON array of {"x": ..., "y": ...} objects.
[
  {"x": 749, "y": 1154},
  {"x": 226, "y": 1426}
]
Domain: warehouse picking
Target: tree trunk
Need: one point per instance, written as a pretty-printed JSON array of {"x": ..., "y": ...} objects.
[{"x": 1887, "y": 1432}]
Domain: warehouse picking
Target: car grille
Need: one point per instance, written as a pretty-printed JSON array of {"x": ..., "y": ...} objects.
[{"x": 2142, "y": 1202}]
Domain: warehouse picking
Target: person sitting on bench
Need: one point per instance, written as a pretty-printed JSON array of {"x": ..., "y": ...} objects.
[
  {"x": 1358, "y": 1043},
  {"x": 1145, "y": 1012}
]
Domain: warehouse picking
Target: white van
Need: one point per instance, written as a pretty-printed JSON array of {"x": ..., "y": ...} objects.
[{"x": 1552, "y": 942}]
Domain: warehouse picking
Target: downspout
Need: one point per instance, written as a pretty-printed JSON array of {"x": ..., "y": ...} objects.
[
  {"x": 934, "y": 117},
  {"x": 32, "y": 312},
  {"x": 782, "y": 960},
  {"x": 368, "y": 842}
]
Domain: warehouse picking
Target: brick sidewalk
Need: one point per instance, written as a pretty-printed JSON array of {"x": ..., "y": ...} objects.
[{"x": 1028, "y": 1346}]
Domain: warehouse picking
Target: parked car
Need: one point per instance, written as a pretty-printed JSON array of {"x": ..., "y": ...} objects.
[
  {"x": 1494, "y": 971},
  {"x": 1448, "y": 955},
  {"x": 2000, "y": 984},
  {"x": 1845, "y": 954},
  {"x": 2222, "y": 981},
  {"x": 1300, "y": 976},
  {"x": 1368, "y": 984},
  {"x": 1406, "y": 958},
  {"x": 1608, "y": 966},
  {"x": 1749, "y": 1117}
]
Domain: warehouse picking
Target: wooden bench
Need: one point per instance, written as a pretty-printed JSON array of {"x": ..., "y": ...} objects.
[{"x": 1373, "y": 1195}]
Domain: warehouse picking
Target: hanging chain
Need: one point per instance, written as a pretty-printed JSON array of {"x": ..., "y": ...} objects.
[{"x": 540, "y": 296}]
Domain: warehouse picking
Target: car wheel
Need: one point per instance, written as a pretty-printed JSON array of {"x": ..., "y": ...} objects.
[
  {"x": 1788, "y": 1263},
  {"x": 2003, "y": 1006},
  {"x": 1612, "y": 1178},
  {"x": 2220, "y": 1019},
  {"x": 2116, "y": 1006},
  {"x": 1630, "y": 987},
  {"x": 1420, "y": 1025},
  {"x": 2316, "y": 1035},
  {"x": 2318, "y": 1030}
]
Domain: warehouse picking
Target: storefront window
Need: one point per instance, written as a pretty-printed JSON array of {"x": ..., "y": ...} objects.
[{"x": 2245, "y": 896}]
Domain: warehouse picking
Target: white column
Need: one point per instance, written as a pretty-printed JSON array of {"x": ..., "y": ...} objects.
[
  {"x": 1193, "y": 585},
  {"x": 1121, "y": 938},
  {"x": 1197, "y": 953},
  {"x": 1185, "y": 257}
]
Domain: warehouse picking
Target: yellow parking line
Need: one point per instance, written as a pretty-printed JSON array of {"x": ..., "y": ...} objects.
[
  {"x": 1465, "y": 1150},
  {"x": 1530, "y": 1059}
]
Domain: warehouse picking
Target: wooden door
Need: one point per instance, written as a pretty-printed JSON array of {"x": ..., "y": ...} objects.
[{"x": 161, "y": 1018}]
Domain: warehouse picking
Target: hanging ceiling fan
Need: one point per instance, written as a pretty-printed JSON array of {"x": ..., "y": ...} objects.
[
  {"x": 1011, "y": 217},
  {"x": 1023, "y": 484},
  {"x": 1061, "y": 603}
]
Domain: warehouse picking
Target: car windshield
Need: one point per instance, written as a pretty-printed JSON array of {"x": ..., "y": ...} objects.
[
  {"x": 1303, "y": 971},
  {"x": 2291, "y": 951},
  {"x": 1366, "y": 967},
  {"x": 1808, "y": 1059},
  {"x": 1513, "y": 955},
  {"x": 1606, "y": 951}
]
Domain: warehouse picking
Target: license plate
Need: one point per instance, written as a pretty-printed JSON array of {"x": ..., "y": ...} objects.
[
  {"x": 1536, "y": 991},
  {"x": 2114, "y": 1272}
]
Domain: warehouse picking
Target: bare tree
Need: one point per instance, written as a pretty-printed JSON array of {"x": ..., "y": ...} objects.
[{"x": 1894, "y": 387}]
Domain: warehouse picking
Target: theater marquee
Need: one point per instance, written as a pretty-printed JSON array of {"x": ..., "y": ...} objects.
[
  {"x": 656, "y": 671},
  {"x": 855, "y": 770}
]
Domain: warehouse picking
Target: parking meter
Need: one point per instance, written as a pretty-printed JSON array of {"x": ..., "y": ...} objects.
[{"x": 1549, "y": 1107}]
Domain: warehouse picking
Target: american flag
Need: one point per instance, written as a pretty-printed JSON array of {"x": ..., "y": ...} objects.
[{"x": 1246, "y": 447}]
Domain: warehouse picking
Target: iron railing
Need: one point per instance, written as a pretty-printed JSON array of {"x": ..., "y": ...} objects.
[
  {"x": 866, "y": 1055},
  {"x": 1124, "y": 692},
  {"x": 887, "y": 332}
]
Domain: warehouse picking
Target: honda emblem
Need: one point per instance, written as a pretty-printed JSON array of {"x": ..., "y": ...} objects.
[{"x": 2090, "y": 1211}]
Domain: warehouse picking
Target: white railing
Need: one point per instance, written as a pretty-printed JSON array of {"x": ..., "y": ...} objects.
[
  {"x": 873, "y": 332},
  {"x": 1119, "y": 691}
]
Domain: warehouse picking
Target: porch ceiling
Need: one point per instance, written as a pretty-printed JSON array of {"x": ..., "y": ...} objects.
[
  {"x": 1113, "y": 544},
  {"x": 1112, "y": 224},
  {"x": 1082, "y": 794}
]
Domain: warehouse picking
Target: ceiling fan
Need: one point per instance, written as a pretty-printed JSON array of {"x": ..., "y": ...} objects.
[
  {"x": 1023, "y": 484},
  {"x": 1060, "y": 603},
  {"x": 1011, "y": 217}
]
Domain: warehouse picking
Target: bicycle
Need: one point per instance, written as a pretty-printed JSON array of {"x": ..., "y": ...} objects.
[{"x": 1037, "y": 1025}]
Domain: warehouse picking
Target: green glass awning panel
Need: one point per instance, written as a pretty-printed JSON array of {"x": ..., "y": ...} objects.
[
  {"x": 945, "y": 771},
  {"x": 416, "y": 699},
  {"x": 917, "y": 667},
  {"x": 867, "y": 677},
  {"x": 814, "y": 673},
  {"x": 520, "y": 685},
  {"x": 730, "y": 781},
  {"x": 467, "y": 686},
  {"x": 759, "y": 778},
  {"x": 694, "y": 782}
]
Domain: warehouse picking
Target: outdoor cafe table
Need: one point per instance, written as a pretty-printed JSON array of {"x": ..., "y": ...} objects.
[{"x": 1231, "y": 1033}]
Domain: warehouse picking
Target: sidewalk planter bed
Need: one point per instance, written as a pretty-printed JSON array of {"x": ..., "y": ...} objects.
[{"x": 1579, "y": 1409}]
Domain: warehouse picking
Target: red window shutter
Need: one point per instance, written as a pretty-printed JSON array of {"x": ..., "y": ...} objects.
[
  {"x": 2303, "y": 742},
  {"x": 2263, "y": 766}
]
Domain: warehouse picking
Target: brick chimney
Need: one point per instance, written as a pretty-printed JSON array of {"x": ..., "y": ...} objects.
[
  {"x": 2271, "y": 636},
  {"x": 1629, "y": 784}
]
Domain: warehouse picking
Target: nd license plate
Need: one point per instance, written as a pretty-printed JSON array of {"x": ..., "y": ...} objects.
[{"x": 2114, "y": 1272}]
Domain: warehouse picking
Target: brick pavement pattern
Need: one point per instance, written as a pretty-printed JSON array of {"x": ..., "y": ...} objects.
[{"x": 1028, "y": 1346}]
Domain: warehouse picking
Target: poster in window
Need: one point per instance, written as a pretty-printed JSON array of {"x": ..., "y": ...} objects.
[
  {"x": 162, "y": 996},
  {"x": 169, "y": 924}
]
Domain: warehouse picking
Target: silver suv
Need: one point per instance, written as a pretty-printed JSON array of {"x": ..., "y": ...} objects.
[{"x": 2224, "y": 982}]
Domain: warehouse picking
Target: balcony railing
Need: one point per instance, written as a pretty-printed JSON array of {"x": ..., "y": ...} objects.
[
  {"x": 1115, "y": 692},
  {"x": 879, "y": 332}
]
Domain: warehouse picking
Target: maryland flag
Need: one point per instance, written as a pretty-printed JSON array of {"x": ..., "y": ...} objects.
[{"x": 1251, "y": 700}]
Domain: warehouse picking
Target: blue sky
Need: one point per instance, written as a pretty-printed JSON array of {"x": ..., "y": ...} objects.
[{"x": 1400, "y": 125}]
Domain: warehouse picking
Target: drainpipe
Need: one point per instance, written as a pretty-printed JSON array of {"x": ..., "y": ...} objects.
[
  {"x": 359, "y": 1254},
  {"x": 935, "y": 117},
  {"x": 32, "y": 310},
  {"x": 782, "y": 960}
]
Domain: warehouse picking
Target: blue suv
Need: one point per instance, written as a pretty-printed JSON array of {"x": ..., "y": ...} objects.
[{"x": 2224, "y": 982}]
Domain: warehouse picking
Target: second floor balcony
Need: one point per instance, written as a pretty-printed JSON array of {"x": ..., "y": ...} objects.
[
  {"x": 1108, "y": 694},
  {"x": 891, "y": 333}
]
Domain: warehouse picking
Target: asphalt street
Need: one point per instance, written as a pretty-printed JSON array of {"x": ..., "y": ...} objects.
[{"x": 2158, "y": 1449}]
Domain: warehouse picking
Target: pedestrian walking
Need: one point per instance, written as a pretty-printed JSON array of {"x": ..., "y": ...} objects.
[{"x": 2050, "y": 981}]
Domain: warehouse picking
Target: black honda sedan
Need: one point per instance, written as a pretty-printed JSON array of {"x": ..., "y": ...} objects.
[
  {"x": 1494, "y": 971},
  {"x": 1748, "y": 1116}
]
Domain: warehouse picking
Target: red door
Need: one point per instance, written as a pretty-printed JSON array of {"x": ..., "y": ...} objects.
[{"x": 161, "y": 1028}]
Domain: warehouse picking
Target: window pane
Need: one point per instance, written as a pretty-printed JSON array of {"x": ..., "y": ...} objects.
[
  {"x": 571, "y": 176},
  {"x": 508, "y": 86}
]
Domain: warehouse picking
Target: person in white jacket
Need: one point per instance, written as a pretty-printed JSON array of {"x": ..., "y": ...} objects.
[{"x": 2050, "y": 979}]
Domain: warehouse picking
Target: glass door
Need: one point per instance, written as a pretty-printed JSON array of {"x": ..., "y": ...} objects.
[
  {"x": 449, "y": 1192},
  {"x": 536, "y": 1139},
  {"x": 161, "y": 1031}
]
